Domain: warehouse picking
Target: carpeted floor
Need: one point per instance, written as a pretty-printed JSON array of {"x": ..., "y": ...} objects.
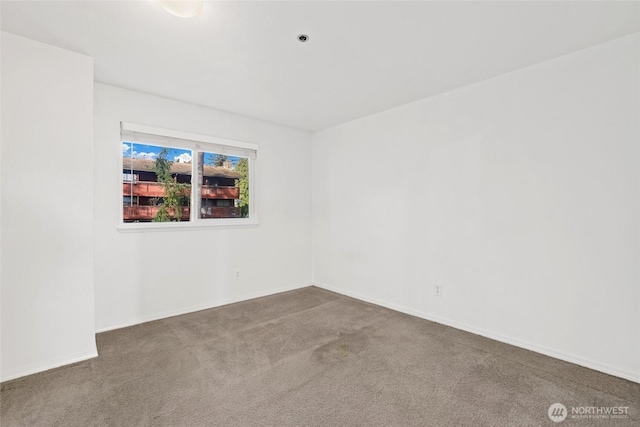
[{"x": 309, "y": 358}]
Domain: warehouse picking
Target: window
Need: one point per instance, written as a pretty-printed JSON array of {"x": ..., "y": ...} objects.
[
  {"x": 129, "y": 177},
  {"x": 174, "y": 179}
]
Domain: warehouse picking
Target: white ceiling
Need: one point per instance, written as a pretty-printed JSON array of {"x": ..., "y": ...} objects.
[{"x": 362, "y": 57}]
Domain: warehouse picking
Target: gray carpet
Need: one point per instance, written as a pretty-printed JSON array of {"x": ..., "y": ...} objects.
[{"x": 308, "y": 358}]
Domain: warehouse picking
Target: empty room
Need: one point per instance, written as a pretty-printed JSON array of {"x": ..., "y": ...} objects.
[{"x": 320, "y": 213}]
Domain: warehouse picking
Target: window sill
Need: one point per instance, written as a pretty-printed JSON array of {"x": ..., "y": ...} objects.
[{"x": 133, "y": 227}]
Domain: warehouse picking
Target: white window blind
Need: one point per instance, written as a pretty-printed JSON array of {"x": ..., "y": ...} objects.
[{"x": 141, "y": 134}]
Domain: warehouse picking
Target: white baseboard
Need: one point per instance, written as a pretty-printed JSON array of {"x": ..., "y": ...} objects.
[
  {"x": 203, "y": 306},
  {"x": 45, "y": 366},
  {"x": 591, "y": 364}
]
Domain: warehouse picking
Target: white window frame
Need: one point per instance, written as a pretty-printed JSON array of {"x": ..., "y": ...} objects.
[{"x": 194, "y": 142}]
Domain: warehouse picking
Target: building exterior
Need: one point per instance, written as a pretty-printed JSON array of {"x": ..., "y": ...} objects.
[{"x": 142, "y": 193}]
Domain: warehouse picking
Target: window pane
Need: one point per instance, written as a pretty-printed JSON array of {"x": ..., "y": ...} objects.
[
  {"x": 225, "y": 186},
  {"x": 156, "y": 183}
]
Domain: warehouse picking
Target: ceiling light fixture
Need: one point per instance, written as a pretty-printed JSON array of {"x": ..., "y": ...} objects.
[
  {"x": 182, "y": 8},
  {"x": 303, "y": 38}
]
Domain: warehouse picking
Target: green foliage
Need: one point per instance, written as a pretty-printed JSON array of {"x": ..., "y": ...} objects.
[
  {"x": 176, "y": 195},
  {"x": 219, "y": 160},
  {"x": 243, "y": 184}
]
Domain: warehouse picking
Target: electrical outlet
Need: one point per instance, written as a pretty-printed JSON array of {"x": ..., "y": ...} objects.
[
  {"x": 237, "y": 275},
  {"x": 437, "y": 289}
]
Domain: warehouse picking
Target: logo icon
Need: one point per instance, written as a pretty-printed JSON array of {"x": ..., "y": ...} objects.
[{"x": 557, "y": 412}]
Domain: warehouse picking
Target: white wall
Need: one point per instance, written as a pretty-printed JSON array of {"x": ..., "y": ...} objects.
[
  {"x": 519, "y": 194},
  {"x": 149, "y": 275},
  {"x": 47, "y": 305}
]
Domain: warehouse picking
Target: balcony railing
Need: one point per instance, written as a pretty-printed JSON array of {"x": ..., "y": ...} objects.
[
  {"x": 146, "y": 213},
  {"x": 155, "y": 189},
  {"x": 211, "y": 192},
  {"x": 141, "y": 188},
  {"x": 219, "y": 212}
]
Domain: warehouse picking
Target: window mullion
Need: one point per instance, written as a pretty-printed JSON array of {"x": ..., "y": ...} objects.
[{"x": 195, "y": 187}]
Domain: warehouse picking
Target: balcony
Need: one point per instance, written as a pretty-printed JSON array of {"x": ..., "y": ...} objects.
[
  {"x": 155, "y": 189},
  {"x": 211, "y": 192},
  {"x": 146, "y": 213},
  {"x": 142, "y": 188},
  {"x": 220, "y": 212}
]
